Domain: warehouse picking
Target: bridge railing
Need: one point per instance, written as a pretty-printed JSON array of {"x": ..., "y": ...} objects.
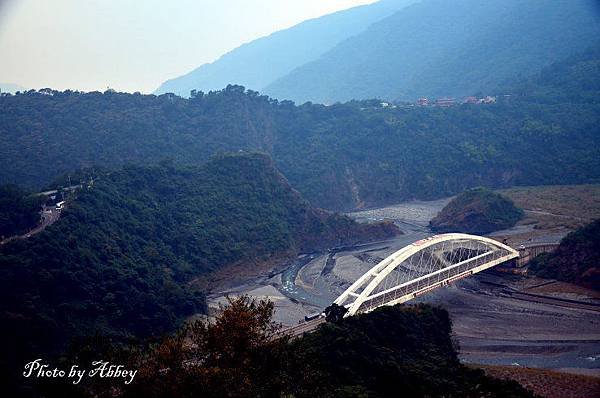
[{"x": 411, "y": 289}]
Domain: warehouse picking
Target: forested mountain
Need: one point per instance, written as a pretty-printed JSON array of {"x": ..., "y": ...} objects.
[
  {"x": 576, "y": 260},
  {"x": 477, "y": 211},
  {"x": 120, "y": 259},
  {"x": 262, "y": 61},
  {"x": 441, "y": 48},
  {"x": 572, "y": 80},
  {"x": 19, "y": 211},
  {"x": 339, "y": 157}
]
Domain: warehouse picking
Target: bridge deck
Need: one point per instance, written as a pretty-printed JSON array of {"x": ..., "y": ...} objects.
[{"x": 304, "y": 327}]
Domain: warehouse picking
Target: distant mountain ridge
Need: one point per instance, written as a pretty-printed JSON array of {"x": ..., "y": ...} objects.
[
  {"x": 445, "y": 48},
  {"x": 260, "y": 62}
]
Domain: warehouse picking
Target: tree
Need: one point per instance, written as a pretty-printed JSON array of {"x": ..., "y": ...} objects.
[{"x": 239, "y": 354}]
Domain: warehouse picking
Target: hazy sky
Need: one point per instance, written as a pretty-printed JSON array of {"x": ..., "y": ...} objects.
[{"x": 133, "y": 45}]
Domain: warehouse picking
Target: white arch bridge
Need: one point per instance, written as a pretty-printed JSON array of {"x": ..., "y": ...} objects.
[
  {"x": 417, "y": 269},
  {"x": 422, "y": 267}
]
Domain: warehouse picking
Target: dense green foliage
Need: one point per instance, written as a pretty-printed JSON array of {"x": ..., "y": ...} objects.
[
  {"x": 119, "y": 260},
  {"x": 393, "y": 351},
  {"x": 19, "y": 211},
  {"x": 439, "y": 48},
  {"x": 576, "y": 260},
  {"x": 260, "y": 62},
  {"x": 477, "y": 211},
  {"x": 338, "y": 157}
]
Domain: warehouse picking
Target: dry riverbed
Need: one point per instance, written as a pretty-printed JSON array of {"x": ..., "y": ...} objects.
[{"x": 491, "y": 327}]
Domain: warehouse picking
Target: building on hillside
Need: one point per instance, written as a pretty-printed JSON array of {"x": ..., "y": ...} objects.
[
  {"x": 445, "y": 102},
  {"x": 470, "y": 100},
  {"x": 422, "y": 102},
  {"x": 488, "y": 100}
]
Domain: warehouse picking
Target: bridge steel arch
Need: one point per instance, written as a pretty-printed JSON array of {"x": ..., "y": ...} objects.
[{"x": 423, "y": 266}]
